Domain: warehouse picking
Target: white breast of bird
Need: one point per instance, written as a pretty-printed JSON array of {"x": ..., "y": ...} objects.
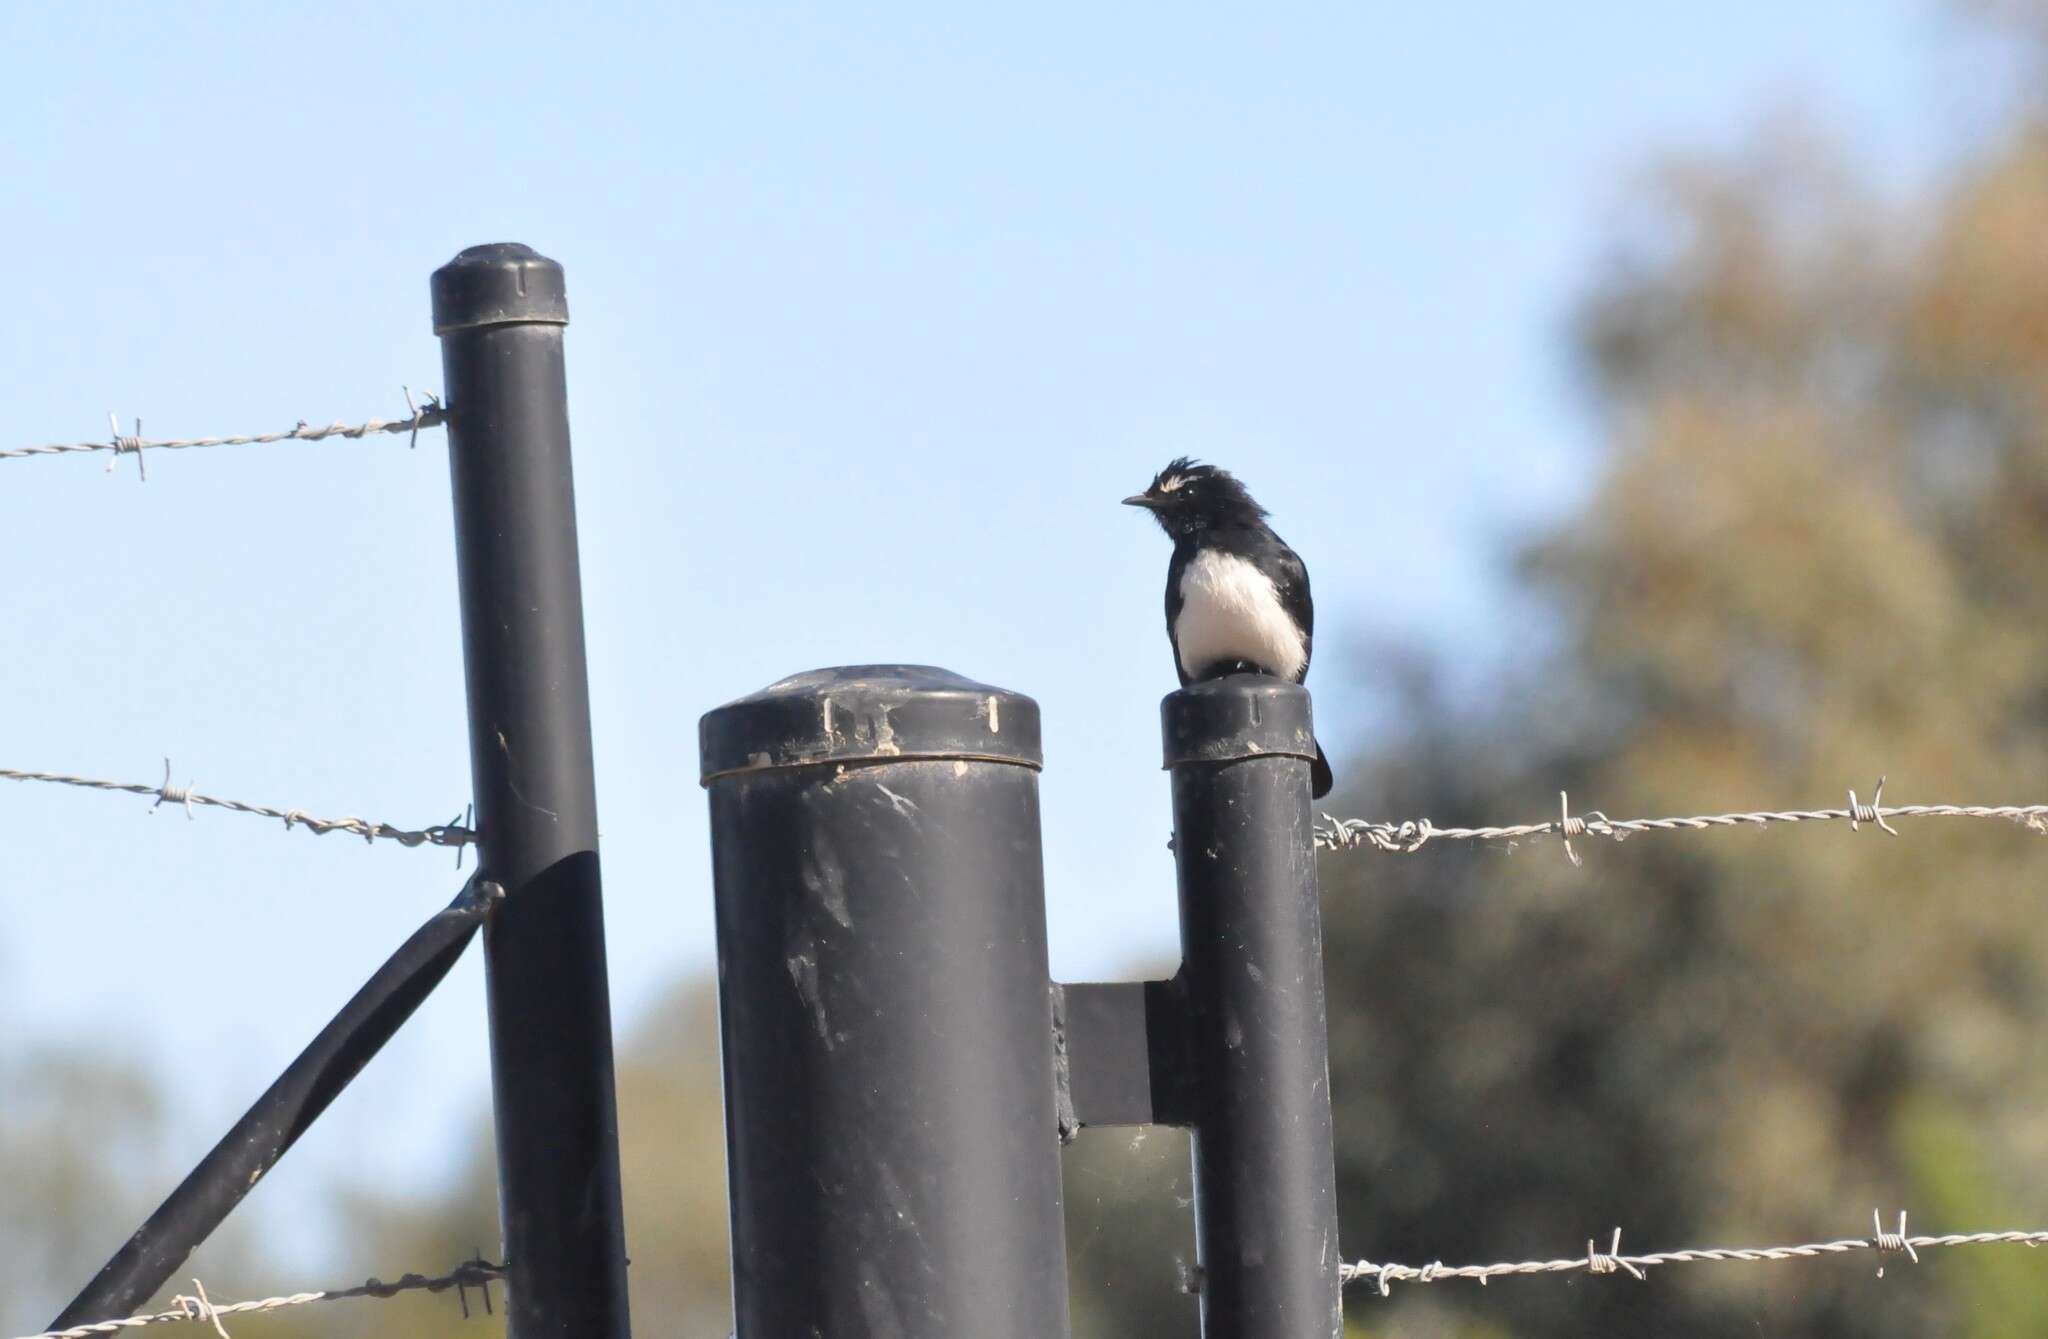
[{"x": 1230, "y": 610}]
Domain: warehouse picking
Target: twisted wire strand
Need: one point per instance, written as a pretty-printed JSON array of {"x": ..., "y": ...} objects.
[
  {"x": 478, "y": 1274},
  {"x": 451, "y": 833},
  {"x": 1343, "y": 834},
  {"x": 429, "y": 412},
  {"x": 1612, "y": 1261}
]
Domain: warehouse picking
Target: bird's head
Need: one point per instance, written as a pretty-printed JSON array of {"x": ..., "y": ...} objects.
[{"x": 1188, "y": 497}]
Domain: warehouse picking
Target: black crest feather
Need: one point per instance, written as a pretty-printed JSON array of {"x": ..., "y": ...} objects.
[{"x": 1217, "y": 487}]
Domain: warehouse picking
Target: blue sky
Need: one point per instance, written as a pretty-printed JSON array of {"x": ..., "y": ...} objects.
[{"x": 877, "y": 314}]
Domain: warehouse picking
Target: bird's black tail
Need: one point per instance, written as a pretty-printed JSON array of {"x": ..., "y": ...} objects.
[{"x": 1320, "y": 778}]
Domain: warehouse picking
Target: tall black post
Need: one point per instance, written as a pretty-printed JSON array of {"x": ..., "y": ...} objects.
[
  {"x": 500, "y": 311},
  {"x": 1251, "y": 940},
  {"x": 887, "y": 1025}
]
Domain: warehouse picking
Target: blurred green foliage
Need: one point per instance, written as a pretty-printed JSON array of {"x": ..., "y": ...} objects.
[{"x": 1811, "y": 554}]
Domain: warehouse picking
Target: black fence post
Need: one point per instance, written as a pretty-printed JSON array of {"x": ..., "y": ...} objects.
[
  {"x": 500, "y": 311},
  {"x": 1251, "y": 939},
  {"x": 885, "y": 1010}
]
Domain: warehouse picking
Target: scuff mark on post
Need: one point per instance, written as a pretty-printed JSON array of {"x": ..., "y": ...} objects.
[
  {"x": 824, "y": 876},
  {"x": 511, "y": 767},
  {"x": 885, "y": 733},
  {"x": 896, "y": 1197},
  {"x": 803, "y": 971},
  {"x": 878, "y": 1306},
  {"x": 904, "y": 804}
]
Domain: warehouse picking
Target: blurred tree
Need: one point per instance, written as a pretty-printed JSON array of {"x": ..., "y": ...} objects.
[
  {"x": 75, "y": 1134},
  {"x": 83, "y": 1159},
  {"x": 1812, "y": 554}
]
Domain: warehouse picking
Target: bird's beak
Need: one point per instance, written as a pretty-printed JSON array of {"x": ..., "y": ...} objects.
[{"x": 1145, "y": 500}]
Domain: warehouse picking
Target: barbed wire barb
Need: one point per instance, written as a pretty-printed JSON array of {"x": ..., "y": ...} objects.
[
  {"x": 179, "y": 795},
  {"x": 122, "y": 445},
  {"x": 482, "y": 1285},
  {"x": 1597, "y": 1263},
  {"x": 474, "y": 1273},
  {"x": 1613, "y": 1261},
  {"x": 1569, "y": 827},
  {"x": 433, "y": 405},
  {"x": 426, "y": 412},
  {"x": 202, "y": 1308},
  {"x": 1410, "y": 835},
  {"x": 1872, "y": 812},
  {"x": 451, "y": 833},
  {"x": 467, "y": 821},
  {"x": 1890, "y": 1243}
]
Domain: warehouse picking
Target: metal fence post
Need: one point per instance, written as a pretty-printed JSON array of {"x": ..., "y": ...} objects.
[
  {"x": 500, "y": 311},
  {"x": 885, "y": 1009},
  {"x": 1251, "y": 937}
]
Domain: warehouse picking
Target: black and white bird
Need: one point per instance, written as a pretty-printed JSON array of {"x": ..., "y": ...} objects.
[{"x": 1236, "y": 596}]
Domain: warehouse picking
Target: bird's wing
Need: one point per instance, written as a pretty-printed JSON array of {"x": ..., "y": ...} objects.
[
  {"x": 1290, "y": 579},
  {"x": 1174, "y": 569}
]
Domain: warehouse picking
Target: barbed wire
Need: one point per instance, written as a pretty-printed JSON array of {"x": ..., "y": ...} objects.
[
  {"x": 1343, "y": 834},
  {"x": 427, "y": 413},
  {"x": 452, "y": 833},
  {"x": 479, "y": 1274},
  {"x": 1612, "y": 1261}
]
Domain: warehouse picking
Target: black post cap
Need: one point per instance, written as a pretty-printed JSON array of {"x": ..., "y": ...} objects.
[
  {"x": 869, "y": 713},
  {"x": 502, "y": 283},
  {"x": 1238, "y": 716}
]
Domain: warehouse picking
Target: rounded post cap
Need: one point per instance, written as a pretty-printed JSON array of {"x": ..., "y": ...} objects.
[
  {"x": 1237, "y": 716},
  {"x": 502, "y": 283},
  {"x": 868, "y": 714}
]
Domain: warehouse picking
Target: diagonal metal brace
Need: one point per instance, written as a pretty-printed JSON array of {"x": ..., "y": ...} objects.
[{"x": 249, "y": 1150}]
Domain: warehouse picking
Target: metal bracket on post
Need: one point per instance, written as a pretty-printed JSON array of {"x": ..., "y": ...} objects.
[
  {"x": 500, "y": 311},
  {"x": 1121, "y": 1048}
]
